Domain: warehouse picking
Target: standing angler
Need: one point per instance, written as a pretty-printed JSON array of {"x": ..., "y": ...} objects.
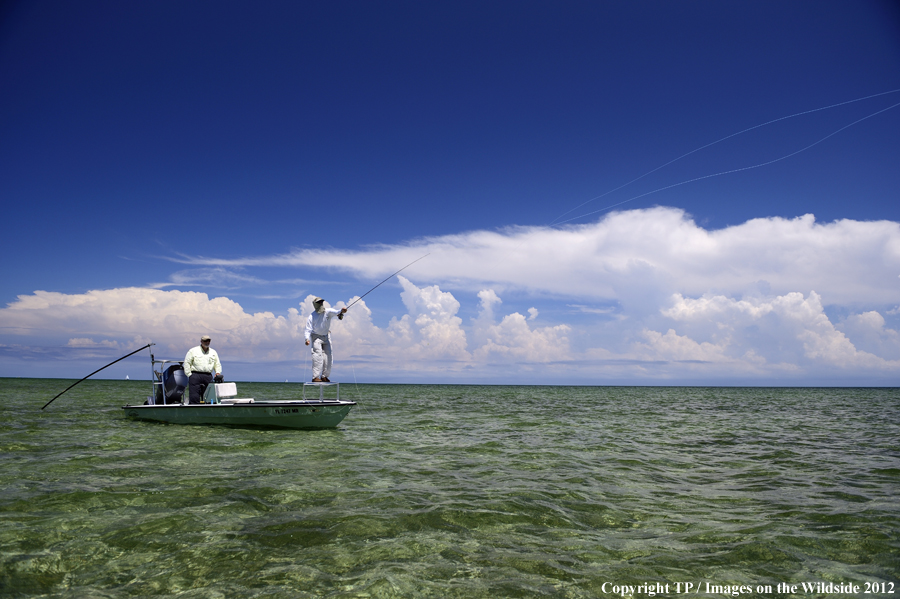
[
  {"x": 200, "y": 365},
  {"x": 319, "y": 337}
]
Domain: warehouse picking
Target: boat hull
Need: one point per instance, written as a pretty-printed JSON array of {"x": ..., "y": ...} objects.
[{"x": 280, "y": 414}]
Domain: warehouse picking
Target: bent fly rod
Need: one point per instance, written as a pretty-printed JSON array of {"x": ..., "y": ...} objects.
[
  {"x": 341, "y": 316},
  {"x": 98, "y": 370}
]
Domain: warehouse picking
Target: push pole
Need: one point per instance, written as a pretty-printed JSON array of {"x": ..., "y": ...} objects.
[{"x": 98, "y": 370}]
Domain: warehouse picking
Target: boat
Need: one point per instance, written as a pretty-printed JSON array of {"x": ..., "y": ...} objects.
[{"x": 221, "y": 405}]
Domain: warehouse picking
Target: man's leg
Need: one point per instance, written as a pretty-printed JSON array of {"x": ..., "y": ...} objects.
[
  {"x": 318, "y": 356},
  {"x": 326, "y": 350},
  {"x": 197, "y": 384}
]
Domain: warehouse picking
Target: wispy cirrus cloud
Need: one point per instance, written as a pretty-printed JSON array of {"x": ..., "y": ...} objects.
[{"x": 214, "y": 277}]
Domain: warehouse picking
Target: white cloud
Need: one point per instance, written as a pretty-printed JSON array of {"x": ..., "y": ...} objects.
[
  {"x": 430, "y": 330},
  {"x": 209, "y": 277},
  {"x": 87, "y": 342},
  {"x": 175, "y": 320},
  {"x": 649, "y": 296},
  {"x": 429, "y": 337},
  {"x": 868, "y": 332},
  {"x": 489, "y": 299},
  {"x": 673, "y": 347},
  {"x": 789, "y": 327},
  {"x": 640, "y": 257},
  {"x": 514, "y": 340}
]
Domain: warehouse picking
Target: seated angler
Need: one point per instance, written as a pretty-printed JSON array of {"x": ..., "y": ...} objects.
[{"x": 201, "y": 364}]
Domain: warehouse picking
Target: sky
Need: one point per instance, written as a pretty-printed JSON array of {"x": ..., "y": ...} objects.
[{"x": 590, "y": 193}]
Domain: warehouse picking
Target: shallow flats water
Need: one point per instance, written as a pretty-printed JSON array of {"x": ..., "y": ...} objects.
[{"x": 453, "y": 491}]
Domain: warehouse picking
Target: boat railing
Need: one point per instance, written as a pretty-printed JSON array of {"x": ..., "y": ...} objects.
[{"x": 321, "y": 392}]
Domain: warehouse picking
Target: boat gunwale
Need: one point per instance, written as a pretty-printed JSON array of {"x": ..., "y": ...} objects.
[{"x": 255, "y": 404}]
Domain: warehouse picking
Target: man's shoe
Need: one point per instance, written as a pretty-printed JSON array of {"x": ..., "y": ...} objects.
[
  {"x": 325, "y": 379},
  {"x": 317, "y": 380}
]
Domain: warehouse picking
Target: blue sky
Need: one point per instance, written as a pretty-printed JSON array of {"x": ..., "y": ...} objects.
[{"x": 172, "y": 169}]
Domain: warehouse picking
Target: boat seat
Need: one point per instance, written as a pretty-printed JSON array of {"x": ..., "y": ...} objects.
[
  {"x": 225, "y": 389},
  {"x": 223, "y": 393}
]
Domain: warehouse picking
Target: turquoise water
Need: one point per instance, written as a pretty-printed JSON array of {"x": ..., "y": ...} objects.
[{"x": 452, "y": 491}]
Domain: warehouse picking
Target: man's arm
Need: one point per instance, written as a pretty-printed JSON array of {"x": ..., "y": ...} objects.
[
  {"x": 332, "y": 312},
  {"x": 309, "y": 326},
  {"x": 189, "y": 362}
]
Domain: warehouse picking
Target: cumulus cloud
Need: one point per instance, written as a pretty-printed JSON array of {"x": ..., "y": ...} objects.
[
  {"x": 868, "y": 331},
  {"x": 514, "y": 340},
  {"x": 132, "y": 316},
  {"x": 429, "y": 337},
  {"x": 430, "y": 329},
  {"x": 489, "y": 299},
  {"x": 790, "y": 328},
  {"x": 641, "y": 257},
  {"x": 647, "y": 295}
]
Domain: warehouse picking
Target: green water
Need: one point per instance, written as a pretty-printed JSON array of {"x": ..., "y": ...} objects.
[{"x": 452, "y": 491}]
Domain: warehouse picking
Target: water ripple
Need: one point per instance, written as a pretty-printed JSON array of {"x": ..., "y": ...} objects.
[{"x": 450, "y": 491}]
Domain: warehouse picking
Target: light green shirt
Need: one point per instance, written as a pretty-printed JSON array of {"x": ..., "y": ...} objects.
[{"x": 196, "y": 360}]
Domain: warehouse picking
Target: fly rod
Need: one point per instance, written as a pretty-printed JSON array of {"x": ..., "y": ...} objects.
[
  {"x": 98, "y": 370},
  {"x": 341, "y": 316}
]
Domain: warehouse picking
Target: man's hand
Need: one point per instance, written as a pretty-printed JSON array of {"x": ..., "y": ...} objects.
[{"x": 307, "y": 342}]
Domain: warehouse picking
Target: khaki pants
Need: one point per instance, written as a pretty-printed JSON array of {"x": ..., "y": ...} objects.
[{"x": 320, "y": 345}]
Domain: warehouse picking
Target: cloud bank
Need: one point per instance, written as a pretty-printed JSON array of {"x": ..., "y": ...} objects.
[
  {"x": 639, "y": 297},
  {"x": 846, "y": 261}
]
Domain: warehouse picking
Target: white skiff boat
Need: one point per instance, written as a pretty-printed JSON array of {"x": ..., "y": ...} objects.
[{"x": 169, "y": 403}]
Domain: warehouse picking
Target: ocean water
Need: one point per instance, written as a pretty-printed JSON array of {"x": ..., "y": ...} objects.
[{"x": 455, "y": 491}]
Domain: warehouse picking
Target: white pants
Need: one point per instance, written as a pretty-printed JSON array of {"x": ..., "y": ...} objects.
[{"x": 320, "y": 345}]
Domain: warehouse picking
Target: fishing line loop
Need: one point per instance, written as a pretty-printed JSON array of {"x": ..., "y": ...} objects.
[
  {"x": 703, "y": 147},
  {"x": 736, "y": 170}
]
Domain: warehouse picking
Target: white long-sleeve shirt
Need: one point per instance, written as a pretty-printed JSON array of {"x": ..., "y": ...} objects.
[
  {"x": 197, "y": 361},
  {"x": 320, "y": 322}
]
